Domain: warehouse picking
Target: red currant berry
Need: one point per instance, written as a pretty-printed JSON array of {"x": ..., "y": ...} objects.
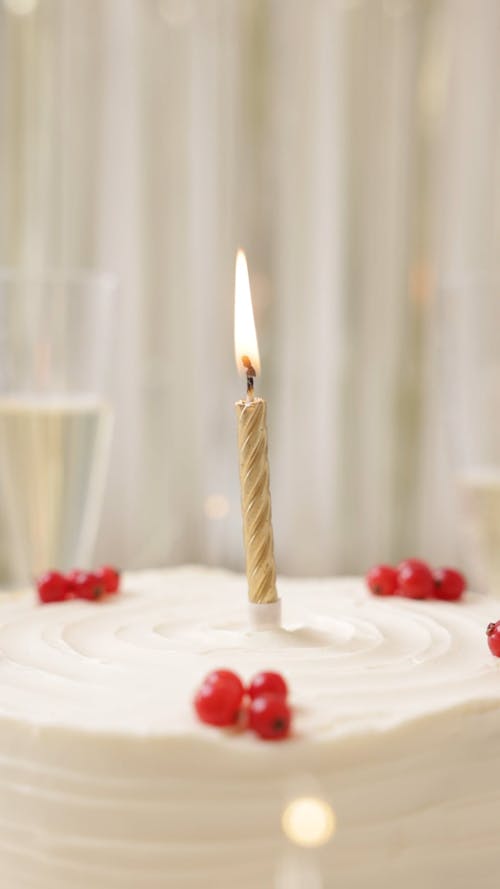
[
  {"x": 493, "y": 634},
  {"x": 85, "y": 585},
  {"x": 449, "y": 584},
  {"x": 110, "y": 579},
  {"x": 268, "y": 683},
  {"x": 71, "y": 578},
  {"x": 52, "y": 587},
  {"x": 218, "y": 701},
  {"x": 71, "y": 575},
  {"x": 382, "y": 580},
  {"x": 226, "y": 676},
  {"x": 415, "y": 580},
  {"x": 270, "y": 717}
]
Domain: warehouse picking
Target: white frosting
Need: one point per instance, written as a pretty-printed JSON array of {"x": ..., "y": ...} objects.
[{"x": 107, "y": 778}]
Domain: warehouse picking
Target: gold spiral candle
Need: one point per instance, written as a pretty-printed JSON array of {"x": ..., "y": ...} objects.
[
  {"x": 265, "y": 605},
  {"x": 256, "y": 501}
]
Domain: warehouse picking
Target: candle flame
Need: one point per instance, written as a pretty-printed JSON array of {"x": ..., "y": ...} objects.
[{"x": 246, "y": 349}]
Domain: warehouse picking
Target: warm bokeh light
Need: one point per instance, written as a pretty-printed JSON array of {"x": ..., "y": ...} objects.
[
  {"x": 245, "y": 336},
  {"x": 216, "y": 506},
  {"x": 308, "y": 821},
  {"x": 20, "y": 7}
]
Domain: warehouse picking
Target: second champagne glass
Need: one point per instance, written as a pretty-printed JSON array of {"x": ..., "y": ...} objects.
[
  {"x": 471, "y": 325},
  {"x": 55, "y": 419}
]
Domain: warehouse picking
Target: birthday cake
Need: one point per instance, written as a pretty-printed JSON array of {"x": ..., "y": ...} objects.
[{"x": 109, "y": 780}]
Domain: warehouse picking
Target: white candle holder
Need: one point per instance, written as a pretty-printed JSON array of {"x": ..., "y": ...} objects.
[{"x": 265, "y": 615}]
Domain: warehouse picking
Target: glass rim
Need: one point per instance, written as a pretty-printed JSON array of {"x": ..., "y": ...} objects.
[{"x": 95, "y": 278}]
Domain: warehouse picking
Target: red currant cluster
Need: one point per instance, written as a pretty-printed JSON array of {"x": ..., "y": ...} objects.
[
  {"x": 56, "y": 587},
  {"x": 493, "y": 636},
  {"x": 223, "y": 700},
  {"x": 416, "y": 580}
]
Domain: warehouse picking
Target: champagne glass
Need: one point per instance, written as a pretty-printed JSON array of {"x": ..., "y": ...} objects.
[
  {"x": 55, "y": 421},
  {"x": 472, "y": 373}
]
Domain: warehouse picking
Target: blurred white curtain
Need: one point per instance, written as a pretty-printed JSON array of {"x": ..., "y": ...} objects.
[{"x": 351, "y": 147}]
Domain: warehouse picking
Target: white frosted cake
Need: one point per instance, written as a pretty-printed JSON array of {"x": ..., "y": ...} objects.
[{"x": 107, "y": 779}]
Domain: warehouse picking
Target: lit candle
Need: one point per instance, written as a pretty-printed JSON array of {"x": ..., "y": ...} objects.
[{"x": 254, "y": 465}]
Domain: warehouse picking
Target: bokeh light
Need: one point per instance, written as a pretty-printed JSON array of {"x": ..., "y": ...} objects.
[
  {"x": 308, "y": 821},
  {"x": 20, "y": 7},
  {"x": 216, "y": 506}
]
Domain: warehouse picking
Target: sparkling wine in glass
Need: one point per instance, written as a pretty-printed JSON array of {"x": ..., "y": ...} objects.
[
  {"x": 55, "y": 420},
  {"x": 480, "y": 499},
  {"x": 472, "y": 373}
]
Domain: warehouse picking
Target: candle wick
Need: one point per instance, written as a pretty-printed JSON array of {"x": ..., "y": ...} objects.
[
  {"x": 249, "y": 387},
  {"x": 247, "y": 364},
  {"x": 251, "y": 374}
]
